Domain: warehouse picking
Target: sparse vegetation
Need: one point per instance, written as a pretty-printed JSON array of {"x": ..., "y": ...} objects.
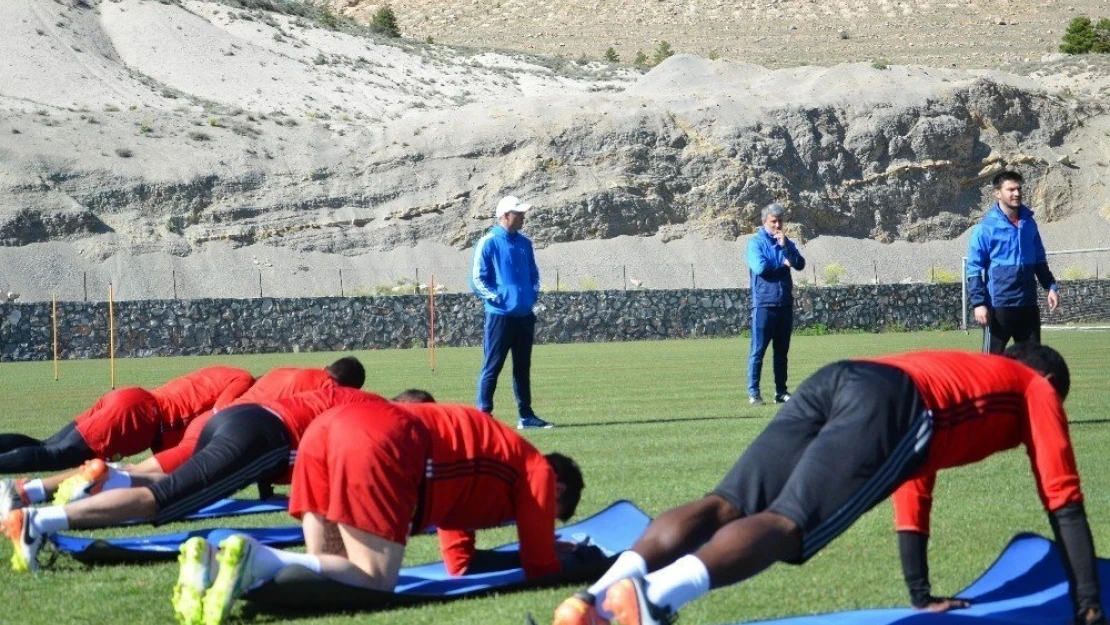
[
  {"x": 1083, "y": 36},
  {"x": 1074, "y": 272},
  {"x": 713, "y": 55},
  {"x": 942, "y": 275},
  {"x": 640, "y": 59},
  {"x": 587, "y": 283},
  {"x": 663, "y": 51},
  {"x": 386, "y": 21},
  {"x": 197, "y": 135},
  {"x": 834, "y": 273},
  {"x": 124, "y": 153},
  {"x": 611, "y": 55},
  {"x": 879, "y": 64}
]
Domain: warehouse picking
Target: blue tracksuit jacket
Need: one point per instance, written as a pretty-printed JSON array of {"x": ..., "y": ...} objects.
[
  {"x": 504, "y": 273},
  {"x": 770, "y": 279},
  {"x": 1013, "y": 258}
]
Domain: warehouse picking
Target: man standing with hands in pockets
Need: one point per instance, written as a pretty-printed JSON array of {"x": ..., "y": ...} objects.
[
  {"x": 771, "y": 256},
  {"x": 507, "y": 279}
]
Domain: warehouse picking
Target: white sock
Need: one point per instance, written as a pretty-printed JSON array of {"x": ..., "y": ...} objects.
[
  {"x": 36, "y": 492},
  {"x": 678, "y": 584},
  {"x": 50, "y": 520},
  {"x": 268, "y": 561},
  {"x": 628, "y": 564},
  {"x": 117, "y": 479}
]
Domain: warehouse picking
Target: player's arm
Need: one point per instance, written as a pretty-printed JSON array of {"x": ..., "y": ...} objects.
[
  {"x": 797, "y": 261},
  {"x": 236, "y": 386},
  {"x": 913, "y": 504},
  {"x": 758, "y": 261},
  {"x": 483, "y": 275},
  {"x": 535, "y": 271},
  {"x": 457, "y": 549},
  {"x": 535, "y": 522},
  {"x": 978, "y": 260},
  {"x": 1054, "y": 467}
]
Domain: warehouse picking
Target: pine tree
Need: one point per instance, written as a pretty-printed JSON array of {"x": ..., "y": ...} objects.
[
  {"x": 663, "y": 52},
  {"x": 1079, "y": 38},
  {"x": 1102, "y": 37},
  {"x": 386, "y": 21}
]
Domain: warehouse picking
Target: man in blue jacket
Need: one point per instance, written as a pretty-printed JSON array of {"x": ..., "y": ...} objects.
[
  {"x": 1006, "y": 246},
  {"x": 507, "y": 279},
  {"x": 770, "y": 257}
]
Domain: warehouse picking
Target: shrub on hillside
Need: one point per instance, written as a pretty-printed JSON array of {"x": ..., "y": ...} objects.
[
  {"x": 1080, "y": 36},
  {"x": 662, "y": 52},
  {"x": 386, "y": 20},
  {"x": 612, "y": 56},
  {"x": 1102, "y": 36},
  {"x": 641, "y": 58}
]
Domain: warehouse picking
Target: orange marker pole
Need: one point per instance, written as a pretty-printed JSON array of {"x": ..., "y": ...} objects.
[
  {"x": 54, "y": 319},
  {"x": 111, "y": 338},
  {"x": 432, "y": 322}
]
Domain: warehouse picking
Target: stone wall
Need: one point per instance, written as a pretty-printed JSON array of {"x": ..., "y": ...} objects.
[{"x": 270, "y": 325}]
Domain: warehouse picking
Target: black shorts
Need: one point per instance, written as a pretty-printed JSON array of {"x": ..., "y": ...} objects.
[
  {"x": 850, "y": 435},
  {"x": 1021, "y": 324},
  {"x": 237, "y": 447}
]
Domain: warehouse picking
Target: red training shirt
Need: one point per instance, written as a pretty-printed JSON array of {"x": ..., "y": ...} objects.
[
  {"x": 983, "y": 404},
  {"x": 185, "y": 398},
  {"x": 482, "y": 474}
]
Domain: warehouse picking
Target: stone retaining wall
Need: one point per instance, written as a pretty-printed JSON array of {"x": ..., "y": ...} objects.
[{"x": 270, "y": 325}]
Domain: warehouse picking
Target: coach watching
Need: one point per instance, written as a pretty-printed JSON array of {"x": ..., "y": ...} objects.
[
  {"x": 507, "y": 279},
  {"x": 770, "y": 257},
  {"x": 1007, "y": 247}
]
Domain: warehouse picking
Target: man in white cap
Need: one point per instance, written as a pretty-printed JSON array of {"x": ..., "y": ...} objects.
[{"x": 505, "y": 276}]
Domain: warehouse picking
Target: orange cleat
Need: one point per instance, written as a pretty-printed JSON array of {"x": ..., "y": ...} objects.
[
  {"x": 628, "y": 604},
  {"x": 579, "y": 609}
]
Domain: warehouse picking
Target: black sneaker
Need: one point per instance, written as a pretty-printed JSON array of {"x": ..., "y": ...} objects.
[{"x": 782, "y": 398}]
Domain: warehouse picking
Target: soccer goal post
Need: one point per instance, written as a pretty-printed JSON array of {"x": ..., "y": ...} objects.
[{"x": 1086, "y": 265}]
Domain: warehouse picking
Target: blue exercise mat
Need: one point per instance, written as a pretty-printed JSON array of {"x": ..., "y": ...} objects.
[
  {"x": 1026, "y": 585},
  {"x": 601, "y": 536},
  {"x": 239, "y": 507},
  {"x": 163, "y": 547}
]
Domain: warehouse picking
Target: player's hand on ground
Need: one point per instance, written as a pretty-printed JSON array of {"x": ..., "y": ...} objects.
[
  {"x": 944, "y": 604},
  {"x": 980, "y": 315}
]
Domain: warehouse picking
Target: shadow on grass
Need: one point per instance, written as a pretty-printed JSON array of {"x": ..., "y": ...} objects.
[{"x": 654, "y": 421}]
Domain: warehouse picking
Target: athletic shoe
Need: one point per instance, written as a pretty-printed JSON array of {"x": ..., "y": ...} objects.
[
  {"x": 628, "y": 604},
  {"x": 579, "y": 609},
  {"x": 755, "y": 400},
  {"x": 534, "y": 423},
  {"x": 782, "y": 398},
  {"x": 198, "y": 567},
  {"x": 12, "y": 496},
  {"x": 89, "y": 480},
  {"x": 236, "y": 558},
  {"x": 19, "y": 527}
]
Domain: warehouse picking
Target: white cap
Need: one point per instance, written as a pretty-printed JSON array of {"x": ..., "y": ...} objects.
[{"x": 511, "y": 204}]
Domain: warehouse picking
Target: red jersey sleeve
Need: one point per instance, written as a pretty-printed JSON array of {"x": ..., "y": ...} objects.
[
  {"x": 1049, "y": 447},
  {"x": 236, "y": 386},
  {"x": 457, "y": 547},
  {"x": 535, "y": 519},
  {"x": 913, "y": 504}
]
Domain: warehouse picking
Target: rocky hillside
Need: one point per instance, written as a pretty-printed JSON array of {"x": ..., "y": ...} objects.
[{"x": 143, "y": 134}]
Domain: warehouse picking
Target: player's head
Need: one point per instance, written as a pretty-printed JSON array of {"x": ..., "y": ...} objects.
[
  {"x": 568, "y": 484},
  {"x": 1006, "y": 176},
  {"x": 773, "y": 216},
  {"x": 414, "y": 396},
  {"x": 347, "y": 371},
  {"x": 1046, "y": 361}
]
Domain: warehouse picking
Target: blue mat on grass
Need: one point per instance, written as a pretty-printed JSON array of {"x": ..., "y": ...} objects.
[
  {"x": 608, "y": 532},
  {"x": 1026, "y": 585}
]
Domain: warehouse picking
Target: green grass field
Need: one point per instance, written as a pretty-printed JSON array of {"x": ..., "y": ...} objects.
[{"x": 655, "y": 422}]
